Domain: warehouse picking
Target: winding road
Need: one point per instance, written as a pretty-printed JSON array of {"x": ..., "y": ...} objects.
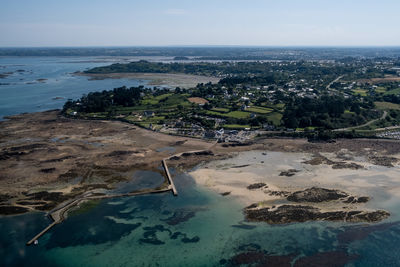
[{"x": 362, "y": 125}]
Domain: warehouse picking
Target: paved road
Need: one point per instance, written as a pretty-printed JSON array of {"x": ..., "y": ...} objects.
[
  {"x": 363, "y": 125},
  {"x": 332, "y": 82}
]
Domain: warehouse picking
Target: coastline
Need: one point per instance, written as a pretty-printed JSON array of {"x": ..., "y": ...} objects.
[{"x": 46, "y": 145}]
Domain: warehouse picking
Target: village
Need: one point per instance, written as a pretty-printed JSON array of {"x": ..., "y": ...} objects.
[{"x": 254, "y": 98}]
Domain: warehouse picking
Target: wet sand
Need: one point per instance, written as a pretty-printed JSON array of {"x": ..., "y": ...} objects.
[
  {"x": 276, "y": 175},
  {"x": 157, "y": 79},
  {"x": 47, "y": 159}
]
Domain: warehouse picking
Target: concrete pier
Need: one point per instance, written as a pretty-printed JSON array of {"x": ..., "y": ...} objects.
[
  {"x": 30, "y": 242},
  {"x": 171, "y": 182},
  {"x": 57, "y": 214}
]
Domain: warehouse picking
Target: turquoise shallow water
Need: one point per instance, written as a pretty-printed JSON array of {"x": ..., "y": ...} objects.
[{"x": 197, "y": 228}]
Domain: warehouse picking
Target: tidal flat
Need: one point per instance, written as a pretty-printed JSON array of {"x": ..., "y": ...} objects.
[
  {"x": 285, "y": 187},
  {"x": 206, "y": 224},
  {"x": 156, "y": 79}
]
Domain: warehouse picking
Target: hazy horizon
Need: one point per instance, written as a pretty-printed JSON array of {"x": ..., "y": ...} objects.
[
  {"x": 155, "y": 23},
  {"x": 206, "y": 46}
]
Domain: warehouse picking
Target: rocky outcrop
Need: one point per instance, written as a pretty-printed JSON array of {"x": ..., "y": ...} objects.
[
  {"x": 316, "y": 198},
  {"x": 277, "y": 193},
  {"x": 319, "y": 159},
  {"x": 384, "y": 161},
  {"x": 289, "y": 172},
  {"x": 299, "y": 213},
  {"x": 316, "y": 194},
  {"x": 257, "y": 186},
  {"x": 353, "y": 200}
]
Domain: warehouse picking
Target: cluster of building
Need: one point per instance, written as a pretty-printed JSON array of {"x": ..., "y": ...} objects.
[{"x": 390, "y": 134}]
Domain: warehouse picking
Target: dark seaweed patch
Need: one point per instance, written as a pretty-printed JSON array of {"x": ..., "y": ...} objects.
[
  {"x": 8, "y": 210},
  {"x": 185, "y": 239},
  {"x": 244, "y": 226},
  {"x": 190, "y": 240},
  {"x": 354, "y": 233},
  {"x": 150, "y": 235},
  {"x": 83, "y": 229},
  {"x": 179, "y": 217},
  {"x": 330, "y": 258},
  {"x": 249, "y": 247}
]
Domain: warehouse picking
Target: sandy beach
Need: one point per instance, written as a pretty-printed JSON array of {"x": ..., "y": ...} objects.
[{"x": 266, "y": 179}]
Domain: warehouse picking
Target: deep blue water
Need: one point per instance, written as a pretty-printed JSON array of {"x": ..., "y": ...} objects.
[{"x": 22, "y": 92}]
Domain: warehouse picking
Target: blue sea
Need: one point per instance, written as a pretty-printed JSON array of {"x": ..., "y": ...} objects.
[
  {"x": 197, "y": 228},
  {"x": 44, "y": 83}
]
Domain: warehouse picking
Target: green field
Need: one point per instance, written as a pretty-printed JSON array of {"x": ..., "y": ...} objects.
[
  {"x": 236, "y": 126},
  {"x": 214, "y": 113},
  {"x": 393, "y": 92},
  {"x": 238, "y": 114},
  {"x": 387, "y": 105},
  {"x": 260, "y": 110},
  {"x": 154, "y": 100},
  {"x": 275, "y": 118},
  {"x": 225, "y": 110},
  {"x": 359, "y": 91},
  {"x": 380, "y": 89}
]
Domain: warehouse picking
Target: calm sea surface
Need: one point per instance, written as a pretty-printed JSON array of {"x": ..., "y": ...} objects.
[
  {"x": 197, "y": 228},
  {"x": 43, "y": 83}
]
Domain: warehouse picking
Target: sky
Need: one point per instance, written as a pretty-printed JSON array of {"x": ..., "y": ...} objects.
[{"x": 36, "y": 23}]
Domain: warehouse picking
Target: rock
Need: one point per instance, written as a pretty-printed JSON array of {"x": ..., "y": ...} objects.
[
  {"x": 198, "y": 153},
  {"x": 362, "y": 199},
  {"x": 204, "y": 153},
  {"x": 48, "y": 170},
  {"x": 319, "y": 159},
  {"x": 256, "y": 186},
  {"x": 255, "y": 205},
  {"x": 277, "y": 193},
  {"x": 352, "y": 199},
  {"x": 240, "y": 166},
  {"x": 384, "y": 161},
  {"x": 300, "y": 213},
  {"x": 316, "y": 194},
  {"x": 344, "y": 165},
  {"x": 288, "y": 173},
  {"x": 179, "y": 143},
  {"x": 235, "y": 144}
]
